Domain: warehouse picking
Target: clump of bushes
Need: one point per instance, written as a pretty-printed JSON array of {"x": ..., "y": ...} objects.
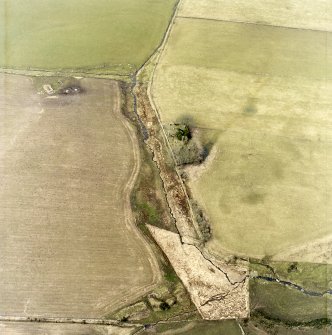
[
  {"x": 183, "y": 133},
  {"x": 292, "y": 268},
  {"x": 202, "y": 221},
  {"x": 164, "y": 306},
  {"x": 187, "y": 149}
]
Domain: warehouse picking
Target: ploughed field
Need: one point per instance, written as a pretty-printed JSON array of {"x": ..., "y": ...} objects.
[
  {"x": 104, "y": 36},
  {"x": 266, "y": 92},
  {"x": 27, "y": 328},
  {"x": 67, "y": 163}
]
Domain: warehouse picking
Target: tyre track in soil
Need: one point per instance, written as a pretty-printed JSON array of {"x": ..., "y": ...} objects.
[{"x": 135, "y": 293}]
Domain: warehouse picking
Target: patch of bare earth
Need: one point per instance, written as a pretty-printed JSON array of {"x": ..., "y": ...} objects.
[
  {"x": 195, "y": 171},
  {"x": 216, "y": 294}
]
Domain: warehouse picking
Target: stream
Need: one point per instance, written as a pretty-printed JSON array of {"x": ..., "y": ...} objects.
[
  {"x": 144, "y": 131},
  {"x": 294, "y": 286}
]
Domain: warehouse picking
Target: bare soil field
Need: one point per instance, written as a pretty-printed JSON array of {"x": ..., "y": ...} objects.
[
  {"x": 305, "y": 14},
  {"x": 67, "y": 165},
  {"x": 24, "y": 328},
  {"x": 267, "y": 91}
]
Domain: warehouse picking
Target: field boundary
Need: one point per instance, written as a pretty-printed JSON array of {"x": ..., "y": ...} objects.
[
  {"x": 68, "y": 320},
  {"x": 63, "y": 73},
  {"x": 128, "y": 214},
  {"x": 128, "y": 189},
  {"x": 189, "y": 235},
  {"x": 251, "y": 23},
  {"x": 159, "y": 52}
]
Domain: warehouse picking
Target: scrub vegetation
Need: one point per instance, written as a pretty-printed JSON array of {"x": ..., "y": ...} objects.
[{"x": 186, "y": 147}]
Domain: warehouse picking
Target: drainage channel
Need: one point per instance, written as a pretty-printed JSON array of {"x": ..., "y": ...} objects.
[{"x": 294, "y": 286}]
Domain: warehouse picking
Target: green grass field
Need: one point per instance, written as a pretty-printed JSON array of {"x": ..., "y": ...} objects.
[
  {"x": 286, "y": 304},
  {"x": 113, "y": 36},
  {"x": 249, "y": 48},
  {"x": 306, "y": 14},
  {"x": 310, "y": 276},
  {"x": 276, "y": 301},
  {"x": 267, "y": 92}
]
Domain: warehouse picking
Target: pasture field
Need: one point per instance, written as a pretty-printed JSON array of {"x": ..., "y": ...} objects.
[
  {"x": 262, "y": 51},
  {"x": 305, "y": 14},
  {"x": 254, "y": 327},
  {"x": 67, "y": 166},
  {"x": 107, "y": 36},
  {"x": 310, "y": 276},
  {"x": 305, "y": 297},
  {"x": 266, "y": 92},
  {"x": 282, "y": 303}
]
